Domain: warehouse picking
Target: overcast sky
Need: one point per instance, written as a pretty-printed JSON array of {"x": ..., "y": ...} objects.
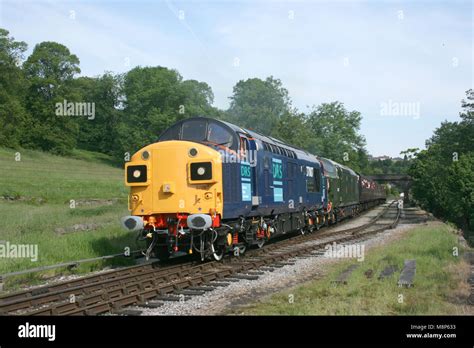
[{"x": 404, "y": 65}]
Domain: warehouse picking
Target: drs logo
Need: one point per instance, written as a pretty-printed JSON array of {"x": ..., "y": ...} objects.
[
  {"x": 245, "y": 171},
  {"x": 277, "y": 170}
]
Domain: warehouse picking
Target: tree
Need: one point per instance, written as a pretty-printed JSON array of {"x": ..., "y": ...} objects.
[
  {"x": 334, "y": 134},
  {"x": 291, "y": 128},
  {"x": 13, "y": 116},
  {"x": 467, "y": 122},
  {"x": 468, "y": 106},
  {"x": 11, "y": 55},
  {"x": 50, "y": 70},
  {"x": 443, "y": 174},
  {"x": 198, "y": 95},
  {"x": 409, "y": 153},
  {"x": 100, "y": 133},
  {"x": 259, "y": 104},
  {"x": 154, "y": 99}
]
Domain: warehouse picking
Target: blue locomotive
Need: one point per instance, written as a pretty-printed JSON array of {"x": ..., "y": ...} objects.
[{"x": 211, "y": 187}]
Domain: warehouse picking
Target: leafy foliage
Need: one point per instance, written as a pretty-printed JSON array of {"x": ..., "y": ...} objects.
[
  {"x": 133, "y": 109},
  {"x": 388, "y": 166},
  {"x": 335, "y": 133},
  {"x": 50, "y": 70},
  {"x": 444, "y": 173},
  {"x": 329, "y": 130},
  {"x": 259, "y": 104},
  {"x": 100, "y": 134},
  {"x": 13, "y": 116},
  {"x": 292, "y": 129},
  {"x": 154, "y": 99}
]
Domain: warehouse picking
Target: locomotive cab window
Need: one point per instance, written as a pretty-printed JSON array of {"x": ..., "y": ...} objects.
[
  {"x": 244, "y": 148},
  {"x": 219, "y": 135},
  {"x": 313, "y": 183},
  {"x": 172, "y": 133},
  {"x": 317, "y": 179},
  {"x": 202, "y": 131},
  {"x": 194, "y": 130}
]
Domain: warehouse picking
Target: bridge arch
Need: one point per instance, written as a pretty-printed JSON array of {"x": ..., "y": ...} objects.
[{"x": 403, "y": 181}]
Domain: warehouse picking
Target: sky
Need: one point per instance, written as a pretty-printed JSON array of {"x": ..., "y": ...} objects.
[{"x": 405, "y": 66}]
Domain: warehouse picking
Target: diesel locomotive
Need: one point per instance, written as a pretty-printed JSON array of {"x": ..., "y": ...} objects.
[{"x": 210, "y": 187}]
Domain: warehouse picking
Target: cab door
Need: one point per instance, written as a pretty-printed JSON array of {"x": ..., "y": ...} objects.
[{"x": 248, "y": 170}]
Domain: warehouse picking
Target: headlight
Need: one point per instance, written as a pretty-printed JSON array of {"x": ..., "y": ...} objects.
[
  {"x": 137, "y": 173},
  {"x": 201, "y": 171}
]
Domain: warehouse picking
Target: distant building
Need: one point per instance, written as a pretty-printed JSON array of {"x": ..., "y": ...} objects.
[
  {"x": 381, "y": 158},
  {"x": 384, "y": 158}
]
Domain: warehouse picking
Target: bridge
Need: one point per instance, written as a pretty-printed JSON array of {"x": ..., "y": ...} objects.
[{"x": 402, "y": 181}]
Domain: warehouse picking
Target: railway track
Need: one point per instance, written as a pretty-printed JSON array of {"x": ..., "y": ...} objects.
[{"x": 150, "y": 284}]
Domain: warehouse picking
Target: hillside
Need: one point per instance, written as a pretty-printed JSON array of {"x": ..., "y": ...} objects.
[{"x": 68, "y": 207}]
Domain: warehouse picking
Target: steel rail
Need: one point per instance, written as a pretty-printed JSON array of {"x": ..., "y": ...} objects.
[{"x": 104, "y": 295}]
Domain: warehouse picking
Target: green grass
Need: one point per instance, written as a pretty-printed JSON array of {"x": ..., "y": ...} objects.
[
  {"x": 437, "y": 278},
  {"x": 42, "y": 186},
  {"x": 58, "y": 179}
]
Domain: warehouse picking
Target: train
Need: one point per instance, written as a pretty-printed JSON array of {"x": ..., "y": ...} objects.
[{"x": 210, "y": 188}]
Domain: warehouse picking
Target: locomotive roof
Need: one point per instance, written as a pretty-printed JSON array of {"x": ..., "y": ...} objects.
[
  {"x": 329, "y": 167},
  {"x": 301, "y": 154},
  {"x": 332, "y": 165}
]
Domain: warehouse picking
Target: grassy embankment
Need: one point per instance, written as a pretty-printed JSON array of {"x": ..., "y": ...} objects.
[
  {"x": 440, "y": 285},
  {"x": 35, "y": 197}
]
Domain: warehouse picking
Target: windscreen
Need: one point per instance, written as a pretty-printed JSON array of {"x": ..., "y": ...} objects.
[
  {"x": 201, "y": 131},
  {"x": 194, "y": 130}
]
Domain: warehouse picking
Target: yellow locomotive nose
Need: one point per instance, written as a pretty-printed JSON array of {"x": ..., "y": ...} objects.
[{"x": 175, "y": 177}]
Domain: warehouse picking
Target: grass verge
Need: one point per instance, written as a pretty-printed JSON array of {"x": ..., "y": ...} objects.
[
  {"x": 440, "y": 286},
  {"x": 36, "y": 193}
]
